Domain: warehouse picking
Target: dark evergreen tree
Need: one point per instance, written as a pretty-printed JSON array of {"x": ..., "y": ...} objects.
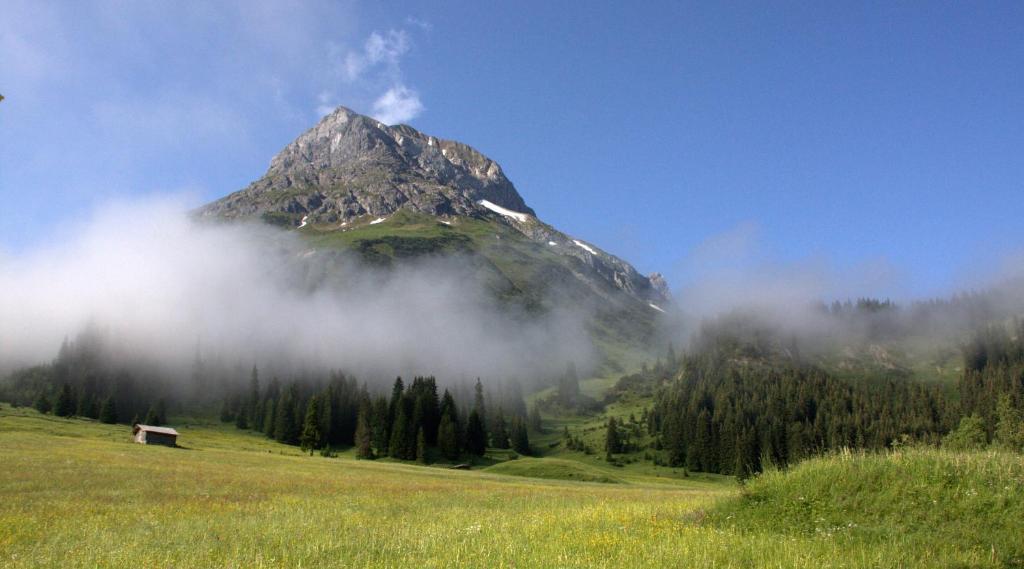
[
  {"x": 66, "y": 404},
  {"x": 421, "y": 447},
  {"x": 364, "y": 432},
  {"x": 401, "y": 431},
  {"x": 242, "y": 418},
  {"x": 381, "y": 428},
  {"x": 287, "y": 428},
  {"x": 269, "y": 416},
  {"x": 447, "y": 436},
  {"x": 42, "y": 403},
  {"x": 479, "y": 405},
  {"x": 108, "y": 414},
  {"x": 612, "y": 441},
  {"x": 312, "y": 436},
  {"x": 520, "y": 437},
  {"x": 429, "y": 413},
  {"x": 476, "y": 435},
  {"x": 87, "y": 406},
  {"x": 397, "y": 396},
  {"x": 254, "y": 413},
  {"x": 499, "y": 433},
  {"x": 152, "y": 417}
]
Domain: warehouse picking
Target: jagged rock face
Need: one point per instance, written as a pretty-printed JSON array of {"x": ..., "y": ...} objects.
[
  {"x": 350, "y": 165},
  {"x": 660, "y": 285}
]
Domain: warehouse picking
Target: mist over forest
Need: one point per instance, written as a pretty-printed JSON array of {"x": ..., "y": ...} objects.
[{"x": 152, "y": 286}]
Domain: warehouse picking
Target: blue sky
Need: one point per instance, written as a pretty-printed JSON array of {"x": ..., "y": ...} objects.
[{"x": 875, "y": 147}]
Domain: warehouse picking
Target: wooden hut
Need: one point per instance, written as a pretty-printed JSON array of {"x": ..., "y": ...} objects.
[{"x": 149, "y": 435}]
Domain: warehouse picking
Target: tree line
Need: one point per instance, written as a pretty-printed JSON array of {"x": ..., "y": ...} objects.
[
  {"x": 411, "y": 422},
  {"x": 735, "y": 406}
]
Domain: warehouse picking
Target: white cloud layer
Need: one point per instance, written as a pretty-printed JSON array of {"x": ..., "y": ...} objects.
[{"x": 157, "y": 284}]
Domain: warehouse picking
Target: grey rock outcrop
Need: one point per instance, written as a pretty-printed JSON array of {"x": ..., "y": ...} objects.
[{"x": 351, "y": 165}]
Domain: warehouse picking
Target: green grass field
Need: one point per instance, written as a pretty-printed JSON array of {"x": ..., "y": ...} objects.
[{"x": 76, "y": 493}]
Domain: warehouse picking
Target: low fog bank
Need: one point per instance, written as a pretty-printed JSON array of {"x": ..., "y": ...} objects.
[
  {"x": 735, "y": 286},
  {"x": 162, "y": 288}
]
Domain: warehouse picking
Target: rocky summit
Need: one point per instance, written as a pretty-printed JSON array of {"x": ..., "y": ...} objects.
[
  {"x": 350, "y": 165},
  {"x": 351, "y": 169}
]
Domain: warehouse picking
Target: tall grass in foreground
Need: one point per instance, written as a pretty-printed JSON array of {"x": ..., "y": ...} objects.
[
  {"x": 77, "y": 494},
  {"x": 923, "y": 497}
]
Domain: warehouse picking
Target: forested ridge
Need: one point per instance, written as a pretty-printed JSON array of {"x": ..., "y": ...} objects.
[
  {"x": 741, "y": 398},
  {"x": 733, "y": 405}
]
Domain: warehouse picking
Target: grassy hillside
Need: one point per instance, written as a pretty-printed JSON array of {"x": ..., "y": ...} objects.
[
  {"x": 76, "y": 493},
  {"x": 921, "y": 500},
  {"x": 555, "y": 469}
]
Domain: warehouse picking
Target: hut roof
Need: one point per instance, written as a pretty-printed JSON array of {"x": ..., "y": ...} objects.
[{"x": 152, "y": 429}]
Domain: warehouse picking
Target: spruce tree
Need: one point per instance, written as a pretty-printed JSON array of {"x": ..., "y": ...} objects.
[
  {"x": 364, "y": 432},
  {"x": 448, "y": 437},
  {"x": 255, "y": 414},
  {"x": 398, "y": 446},
  {"x": 430, "y": 412},
  {"x": 269, "y": 415},
  {"x": 397, "y": 394},
  {"x": 242, "y": 417},
  {"x": 612, "y": 443},
  {"x": 520, "y": 436},
  {"x": 42, "y": 403},
  {"x": 312, "y": 437},
  {"x": 65, "y": 405},
  {"x": 287, "y": 428},
  {"x": 152, "y": 417},
  {"x": 87, "y": 406},
  {"x": 476, "y": 435},
  {"x": 499, "y": 436},
  {"x": 479, "y": 405},
  {"x": 421, "y": 447},
  {"x": 381, "y": 428},
  {"x": 108, "y": 414}
]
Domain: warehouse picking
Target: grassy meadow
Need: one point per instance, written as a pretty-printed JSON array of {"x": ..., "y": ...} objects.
[{"x": 76, "y": 493}]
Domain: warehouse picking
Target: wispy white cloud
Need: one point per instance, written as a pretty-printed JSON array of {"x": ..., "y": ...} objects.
[
  {"x": 397, "y": 105},
  {"x": 377, "y": 68},
  {"x": 419, "y": 23},
  {"x": 380, "y": 50}
]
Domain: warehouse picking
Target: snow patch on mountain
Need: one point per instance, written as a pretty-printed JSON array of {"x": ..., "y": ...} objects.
[
  {"x": 585, "y": 247},
  {"x": 520, "y": 217},
  {"x": 378, "y": 220}
]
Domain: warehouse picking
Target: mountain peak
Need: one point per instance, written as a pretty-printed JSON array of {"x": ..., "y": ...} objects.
[{"x": 350, "y": 165}]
